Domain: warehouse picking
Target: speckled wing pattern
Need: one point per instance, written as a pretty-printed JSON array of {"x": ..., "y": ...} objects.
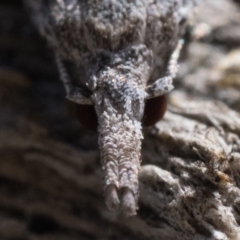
[{"x": 120, "y": 52}]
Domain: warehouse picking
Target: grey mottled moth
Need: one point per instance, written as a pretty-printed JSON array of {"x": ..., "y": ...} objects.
[{"x": 115, "y": 55}]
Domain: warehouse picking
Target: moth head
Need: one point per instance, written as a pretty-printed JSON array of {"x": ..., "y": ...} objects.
[
  {"x": 154, "y": 111},
  {"x": 124, "y": 94}
]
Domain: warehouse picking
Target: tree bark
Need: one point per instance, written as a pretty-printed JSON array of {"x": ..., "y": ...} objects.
[{"x": 50, "y": 177}]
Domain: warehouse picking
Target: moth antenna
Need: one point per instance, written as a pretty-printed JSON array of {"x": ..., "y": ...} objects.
[
  {"x": 163, "y": 85},
  {"x": 74, "y": 93}
]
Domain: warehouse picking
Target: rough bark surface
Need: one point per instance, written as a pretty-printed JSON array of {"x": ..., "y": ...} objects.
[{"x": 50, "y": 177}]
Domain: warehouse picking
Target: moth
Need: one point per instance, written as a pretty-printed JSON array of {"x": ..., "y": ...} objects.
[{"x": 115, "y": 55}]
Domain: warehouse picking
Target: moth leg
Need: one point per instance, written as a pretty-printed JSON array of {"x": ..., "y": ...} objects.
[
  {"x": 164, "y": 85},
  {"x": 74, "y": 94}
]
